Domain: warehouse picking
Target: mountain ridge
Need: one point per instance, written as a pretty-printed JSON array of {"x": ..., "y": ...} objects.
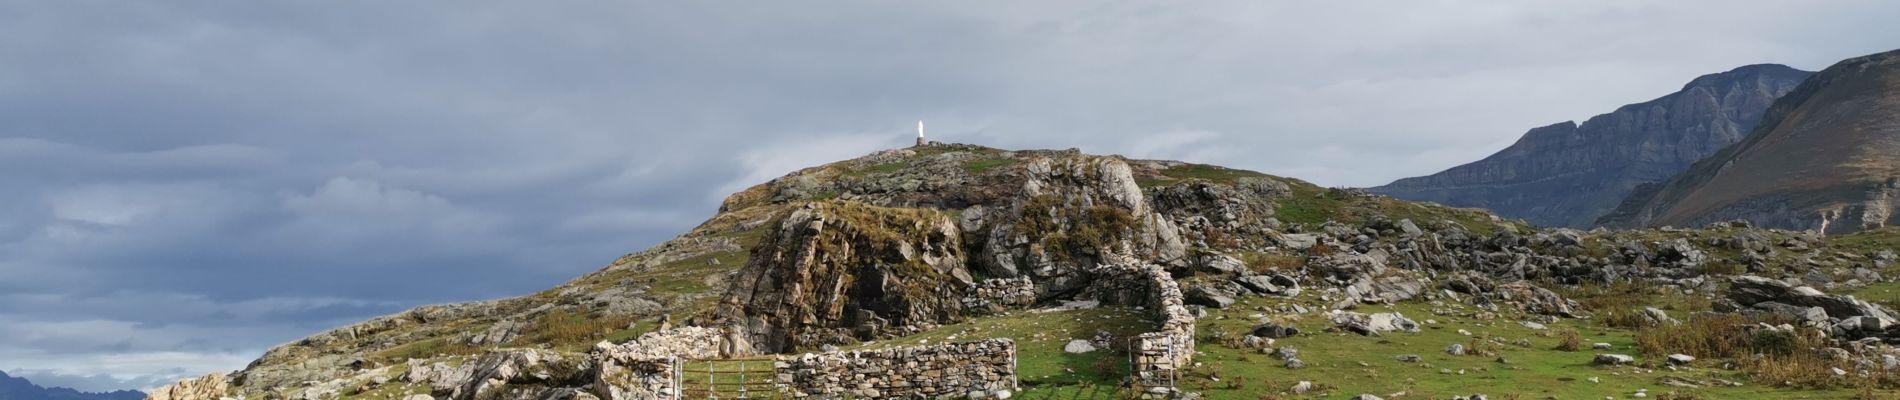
[
  {"x": 1569, "y": 173},
  {"x": 18, "y": 388},
  {"x": 1823, "y": 158}
]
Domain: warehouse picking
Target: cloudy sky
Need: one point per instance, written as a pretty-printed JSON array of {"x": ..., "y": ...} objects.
[{"x": 189, "y": 183}]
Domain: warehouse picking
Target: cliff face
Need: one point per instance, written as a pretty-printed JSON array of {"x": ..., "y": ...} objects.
[
  {"x": 1825, "y": 157},
  {"x": 1568, "y": 174},
  {"x": 837, "y": 270}
]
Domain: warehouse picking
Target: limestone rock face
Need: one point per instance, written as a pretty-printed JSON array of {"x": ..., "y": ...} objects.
[
  {"x": 1825, "y": 157},
  {"x": 1073, "y": 214},
  {"x": 1568, "y": 174},
  {"x": 834, "y": 271},
  {"x": 208, "y": 387}
]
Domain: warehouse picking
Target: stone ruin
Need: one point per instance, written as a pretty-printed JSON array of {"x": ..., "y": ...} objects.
[
  {"x": 1156, "y": 356},
  {"x": 980, "y": 369}
]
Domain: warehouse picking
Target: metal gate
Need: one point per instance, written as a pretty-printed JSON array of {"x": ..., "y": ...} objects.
[{"x": 738, "y": 378}]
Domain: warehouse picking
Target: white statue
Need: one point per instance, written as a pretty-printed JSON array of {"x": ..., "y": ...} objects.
[{"x": 920, "y": 132}]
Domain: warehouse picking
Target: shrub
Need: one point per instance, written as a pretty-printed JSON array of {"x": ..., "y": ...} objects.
[
  {"x": 1720, "y": 335},
  {"x": 1268, "y": 262},
  {"x": 1483, "y": 346},
  {"x": 1569, "y": 340}
]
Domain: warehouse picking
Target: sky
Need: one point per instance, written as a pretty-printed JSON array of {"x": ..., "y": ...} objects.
[{"x": 187, "y": 184}]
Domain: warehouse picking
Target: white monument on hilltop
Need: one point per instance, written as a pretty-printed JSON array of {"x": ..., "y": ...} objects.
[{"x": 920, "y": 132}]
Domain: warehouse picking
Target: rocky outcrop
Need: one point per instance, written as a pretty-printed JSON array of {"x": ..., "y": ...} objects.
[
  {"x": 1568, "y": 174},
  {"x": 208, "y": 387},
  {"x": 1846, "y": 316},
  {"x": 836, "y": 272},
  {"x": 1073, "y": 214},
  {"x": 1825, "y": 157}
]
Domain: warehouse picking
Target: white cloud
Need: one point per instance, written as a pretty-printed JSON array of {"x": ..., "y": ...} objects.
[
  {"x": 350, "y": 206},
  {"x": 764, "y": 163}
]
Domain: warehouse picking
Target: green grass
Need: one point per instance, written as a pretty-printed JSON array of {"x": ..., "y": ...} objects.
[
  {"x": 1537, "y": 371},
  {"x": 1885, "y": 294},
  {"x": 424, "y": 349},
  {"x": 1193, "y": 172},
  {"x": 1209, "y": 173},
  {"x": 1310, "y": 205}
]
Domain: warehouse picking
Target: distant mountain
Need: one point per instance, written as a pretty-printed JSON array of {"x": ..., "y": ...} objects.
[
  {"x": 12, "y": 388},
  {"x": 1567, "y": 174},
  {"x": 1826, "y": 157}
]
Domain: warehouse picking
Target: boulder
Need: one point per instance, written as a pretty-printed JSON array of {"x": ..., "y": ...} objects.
[
  {"x": 1681, "y": 359},
  {"x": 1373, "y": 324},
  {"x": 1612, "y": 359},
  {"x": 1208, "y": 297},
  {"x": 1218, "y": 263},
  {"x": 1078, "y": 346},
  {"x": 1273, "y": 330},
  {"x": 1656, "y": 317}
]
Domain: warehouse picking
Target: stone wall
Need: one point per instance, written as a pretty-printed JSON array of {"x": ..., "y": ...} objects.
[
  {"x": 645, "y": 368},
  {"x": 1159, "y": 354},
  {"x": 985, "y": 367},
  {"x": 632, "y": 379},
  {"x": 1002, "y": 293}
]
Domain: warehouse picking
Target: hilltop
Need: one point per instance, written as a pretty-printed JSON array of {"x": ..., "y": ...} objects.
[{"x": 959, "y": 243}]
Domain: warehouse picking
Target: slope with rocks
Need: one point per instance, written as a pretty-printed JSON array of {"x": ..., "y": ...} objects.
[
  {"x": 892, "y": 246},
  {"x": 1826, "y": 157},
  {"x": 1568, "y": 174},
  {"x": 896, "y": 235}
]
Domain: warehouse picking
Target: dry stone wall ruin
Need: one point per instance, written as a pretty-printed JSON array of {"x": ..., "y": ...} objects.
[
  {"x": 983, "y": 369},
  {"x": 1157, "y": 355}
]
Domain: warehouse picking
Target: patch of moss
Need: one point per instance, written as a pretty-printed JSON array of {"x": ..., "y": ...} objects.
[{"x": 879, "y": 169}]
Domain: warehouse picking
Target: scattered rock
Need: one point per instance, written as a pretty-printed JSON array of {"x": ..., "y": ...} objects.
[
  {"x": 1373, "y": 324},
  {"x": 1078, "y": 346},
  {"x": 1613, "y": 359},
  {"x": 1680, "y": 359},
  {"x": 1208, "y": 298}
]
